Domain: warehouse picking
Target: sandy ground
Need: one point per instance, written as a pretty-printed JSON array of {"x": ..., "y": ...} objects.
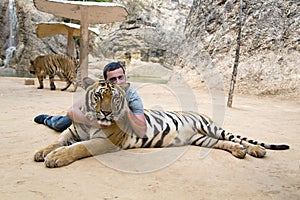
[{"x": 194, "y": 174}]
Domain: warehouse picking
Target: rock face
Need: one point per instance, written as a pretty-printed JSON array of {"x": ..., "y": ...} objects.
[
  {"x": 196, "y": 39},
  {"x": 151, "y": 32},
  {"x": 270, "y": 41},
  {"x": 29, "y": 45}
]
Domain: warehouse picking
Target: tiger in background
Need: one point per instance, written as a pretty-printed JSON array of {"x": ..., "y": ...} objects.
[
  {"x": 106, "y": 102},
  {"x": 55, "y": 64}
]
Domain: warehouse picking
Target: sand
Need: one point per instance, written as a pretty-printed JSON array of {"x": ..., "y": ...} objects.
[{"x": 194, "y": 173}]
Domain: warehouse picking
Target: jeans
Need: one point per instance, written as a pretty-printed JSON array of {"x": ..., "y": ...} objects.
[{"x": 58, "y": 123}]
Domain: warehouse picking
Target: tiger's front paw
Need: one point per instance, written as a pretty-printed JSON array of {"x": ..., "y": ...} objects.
[
  {"x": 59, "y": 157},
  {"x": 40, "y": 155}
]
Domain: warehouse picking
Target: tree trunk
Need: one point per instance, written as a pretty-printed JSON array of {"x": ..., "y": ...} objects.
[
  {"x": 237, "y": 56},
  {"x": 84, "y": 46}
]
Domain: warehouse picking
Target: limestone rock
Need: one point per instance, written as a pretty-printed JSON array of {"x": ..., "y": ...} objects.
[{"x": 194, "y": 39}]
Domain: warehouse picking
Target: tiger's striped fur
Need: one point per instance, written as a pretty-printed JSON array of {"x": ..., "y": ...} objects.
[
  {"x": 106, "y": 102},
  {"x": 55, "y": 64}
]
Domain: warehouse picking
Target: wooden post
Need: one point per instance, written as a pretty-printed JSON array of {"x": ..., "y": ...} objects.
[
  {"x": 84, "y": 45},
  {"x": 237, "y": 56},
  {"x": 71, "y": 43}
]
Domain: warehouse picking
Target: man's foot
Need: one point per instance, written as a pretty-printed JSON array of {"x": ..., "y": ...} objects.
[{"x": 40, "y": 118}]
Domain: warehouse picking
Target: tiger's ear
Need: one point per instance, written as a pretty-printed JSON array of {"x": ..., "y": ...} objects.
[
  {"x": 124, "y": 86},
  {"x": 87, "y": 81}
]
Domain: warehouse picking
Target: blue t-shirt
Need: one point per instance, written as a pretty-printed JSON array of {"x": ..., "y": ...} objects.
[{"x": 134, "y": 101}]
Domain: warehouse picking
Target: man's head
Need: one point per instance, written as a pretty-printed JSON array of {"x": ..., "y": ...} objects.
[{"x": 114, "y": 72}]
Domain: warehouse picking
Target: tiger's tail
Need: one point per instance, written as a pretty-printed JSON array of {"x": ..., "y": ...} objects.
[
  {"x": 245, "y": 141},
  {"x": 67, "y": 86},
  {"x": 214, "y": 131},
  {"x": 253, "y": 147},
  {"x": 208, "y": 129},
  {"x": 266, "y": 145}
]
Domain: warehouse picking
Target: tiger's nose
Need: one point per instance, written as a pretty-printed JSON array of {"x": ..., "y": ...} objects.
[{"x": 105, "y": 112}]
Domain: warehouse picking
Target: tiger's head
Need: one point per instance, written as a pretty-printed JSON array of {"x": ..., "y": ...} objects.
[
  {"x": 31, "y": 68},
  {"x": 106, "y": 102}
]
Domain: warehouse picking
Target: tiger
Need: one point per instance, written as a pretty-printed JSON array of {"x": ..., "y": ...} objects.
[
  {"x": 106, "y": 102},
  {"x": 55, "y": 64}
]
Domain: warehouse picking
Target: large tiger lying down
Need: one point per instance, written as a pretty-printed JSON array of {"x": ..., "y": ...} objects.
[{"x": 106, "y": 102}]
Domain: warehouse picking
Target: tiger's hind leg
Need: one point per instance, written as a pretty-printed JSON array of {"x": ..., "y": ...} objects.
[
  {"x": 235, "y": 149},
  {"x": 255, "y": 150},
  {"x": 252, "y": 149}
]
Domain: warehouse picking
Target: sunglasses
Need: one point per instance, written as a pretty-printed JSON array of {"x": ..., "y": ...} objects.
[{"x": 114, "y": 79}]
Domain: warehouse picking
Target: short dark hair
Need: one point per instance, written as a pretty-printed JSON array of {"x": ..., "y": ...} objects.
[{"x": 111, "y": 67}]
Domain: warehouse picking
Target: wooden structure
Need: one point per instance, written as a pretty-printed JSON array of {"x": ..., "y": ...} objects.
[
  {"x": 47, "y": 29},
  {"x": 87, "y": 13}
]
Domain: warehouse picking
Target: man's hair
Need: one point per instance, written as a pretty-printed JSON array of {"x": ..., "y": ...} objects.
[{"x": 111, "y": 67}]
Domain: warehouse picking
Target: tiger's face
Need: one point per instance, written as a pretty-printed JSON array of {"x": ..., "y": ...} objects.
[{"x": 108, "y": 102}]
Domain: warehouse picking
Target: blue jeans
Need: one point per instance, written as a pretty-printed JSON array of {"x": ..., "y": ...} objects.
[{"x": 58, "y": 123}]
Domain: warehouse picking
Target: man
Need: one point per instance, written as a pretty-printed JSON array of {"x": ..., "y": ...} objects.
[{"x": 115, "y": 73}]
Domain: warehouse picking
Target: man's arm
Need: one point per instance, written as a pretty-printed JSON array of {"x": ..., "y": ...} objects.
[
  {"x": 138, "y": 123},
  {"x": 76, "y": 115}
]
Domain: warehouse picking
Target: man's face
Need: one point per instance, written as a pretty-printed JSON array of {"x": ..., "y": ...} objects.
[{"x": 117, "y": 76}]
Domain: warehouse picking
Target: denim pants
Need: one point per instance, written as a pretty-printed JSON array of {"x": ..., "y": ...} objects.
[{"x": 58, "y": 123}]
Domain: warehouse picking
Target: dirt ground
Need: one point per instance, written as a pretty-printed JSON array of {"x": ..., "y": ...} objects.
[{"x": 193, "y": 173}]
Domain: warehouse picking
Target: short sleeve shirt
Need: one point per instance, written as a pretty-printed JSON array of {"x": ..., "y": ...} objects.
[{"x": 134, "y": 101}]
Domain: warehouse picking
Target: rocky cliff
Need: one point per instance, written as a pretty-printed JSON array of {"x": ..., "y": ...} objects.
[
  {"x": 196, "y": 39},
  {"x": 270, "y": 41}
]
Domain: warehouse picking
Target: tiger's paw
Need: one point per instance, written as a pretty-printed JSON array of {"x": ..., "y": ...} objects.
[
  {"x": 58, "y": 158},
  {"x": 52, "y": 86},
  {"x": 40, "y": 155},
  {"x": 239, "y": 151},
  {"x": 256, "y": 151}
]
